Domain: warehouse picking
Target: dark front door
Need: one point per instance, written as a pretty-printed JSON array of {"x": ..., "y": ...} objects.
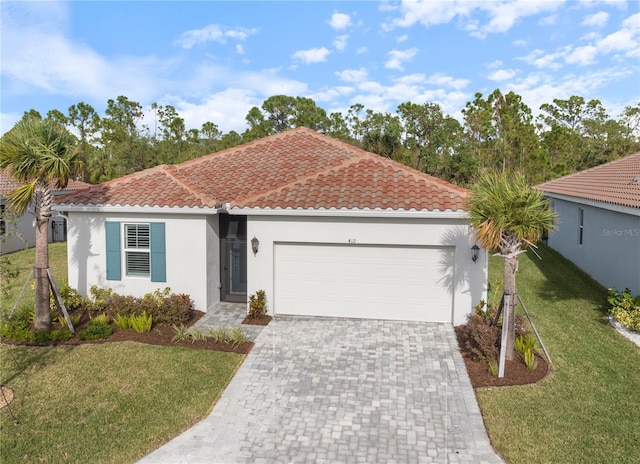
[{"x": 233, "y": 262}]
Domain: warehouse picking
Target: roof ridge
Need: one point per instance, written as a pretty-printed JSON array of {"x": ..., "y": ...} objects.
[{"x": 173, "y": 173}]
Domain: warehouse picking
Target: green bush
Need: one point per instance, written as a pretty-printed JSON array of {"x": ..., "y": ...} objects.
[
  {"x": 95, "y": 330},
  {"x": 122, "y": 321},
  {"x": 70, "y": 296},
  {"x": 624, "y": 308},
  {"x": 141, "y": 323},
  {"x": 258, "y": 304},
  {"x": 180, "y": 332},
  {"x": 99, "y": 298}
]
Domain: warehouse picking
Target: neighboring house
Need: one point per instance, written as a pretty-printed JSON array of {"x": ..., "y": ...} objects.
[
  {"x": 599, "y": 221},
  {"x": 325, "y": 228},
  {"x": 19, "y": 233}
]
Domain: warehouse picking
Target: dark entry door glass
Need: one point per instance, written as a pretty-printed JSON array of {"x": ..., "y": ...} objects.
[{"x": 233, "y": 251}]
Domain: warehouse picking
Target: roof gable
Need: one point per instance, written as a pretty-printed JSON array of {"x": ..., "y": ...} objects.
[
  {"x": 297, "y": 169},
  {"x": 616, "y": 182}
]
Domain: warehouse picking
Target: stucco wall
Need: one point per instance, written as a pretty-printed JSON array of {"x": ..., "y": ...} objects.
[
  {"x": 468, "y": 279},
  {"x": 190, "y": 243},
  {"x": 610, "y": 250}
]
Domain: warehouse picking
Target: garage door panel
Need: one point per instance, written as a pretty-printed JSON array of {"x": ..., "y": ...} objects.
[{"x": 384, "y": 282}]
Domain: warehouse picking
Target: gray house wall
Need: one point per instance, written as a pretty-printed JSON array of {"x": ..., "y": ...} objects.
[{"x": 610, "y": 249}]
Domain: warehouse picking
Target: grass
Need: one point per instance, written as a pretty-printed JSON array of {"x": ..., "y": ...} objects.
[
  {"x": 22, "y": 261},
  {"x": 588, "y": 411},
  {"x": 105, "y": 403},
  {"x": 100, "y": 403}
]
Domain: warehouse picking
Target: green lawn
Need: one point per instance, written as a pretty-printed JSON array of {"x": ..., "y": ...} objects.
[
  {"x": 23, "y": 261},
  {"x": 101, "y": 403},
  {"x": 588, "y": 411}
]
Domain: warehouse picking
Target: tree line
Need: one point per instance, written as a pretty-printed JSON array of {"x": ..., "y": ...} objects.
[{"x": 498, "y": 131}]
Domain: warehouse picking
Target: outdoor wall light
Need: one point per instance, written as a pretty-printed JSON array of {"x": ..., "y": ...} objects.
[
  {"x": 475, "y": 251},
  {"x": 255, "y": 244}
]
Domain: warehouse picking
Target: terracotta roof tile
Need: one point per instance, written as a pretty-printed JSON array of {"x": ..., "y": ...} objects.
[
  {"x": 617, "y": 182},
  {"x": 295, "y": 169},
  {"x": 9, "y": 183}
]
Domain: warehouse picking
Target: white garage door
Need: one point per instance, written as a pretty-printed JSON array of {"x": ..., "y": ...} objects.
[{"x": 375, "y": 282}]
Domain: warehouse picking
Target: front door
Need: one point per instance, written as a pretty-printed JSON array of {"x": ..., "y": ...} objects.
[{"x": 233, "y": 262}]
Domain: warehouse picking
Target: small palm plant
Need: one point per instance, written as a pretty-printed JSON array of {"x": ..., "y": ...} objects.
[{"x": 508, "y": 215}]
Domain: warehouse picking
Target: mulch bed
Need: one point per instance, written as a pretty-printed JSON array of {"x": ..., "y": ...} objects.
[
  {"x": 160, "y": 334},
  {"x": 264, "y": 320},
  {"x": 515, "y": 372}
]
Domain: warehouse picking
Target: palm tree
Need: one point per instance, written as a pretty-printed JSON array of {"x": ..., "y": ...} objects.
[
  {"x": 507, "y": 216},
  {"x": 40, "y": 153}
]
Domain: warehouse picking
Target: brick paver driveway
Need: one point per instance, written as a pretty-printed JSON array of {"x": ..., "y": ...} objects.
[{"x": 324, "y": 390}]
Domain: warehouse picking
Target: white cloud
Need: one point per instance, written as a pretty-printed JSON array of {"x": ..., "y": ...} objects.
[
  {"x": 239, "y": 49},
  {"x": 582, "y": 55},
  {"x": 312, "y": 55},
  {"x": 212, "y": 33},
  {"x": 494, "y": 64},
  {"x": 361, "y": 50},
  {"x": 398, "y": 57},
  {"x": 598, "y": 19},
  {"x": 340, "y": 21},
  {"x": 352, "y": 75},
  {"x": 402, "y": 38},
  {"x": 519, "y": 43},
  {"x": 340, "y": 42},
  {"x": 502, "y": 75},
  {"x": 548, "y": 20},
  {"x": 447, "y": 81},
  {"x": 502, "y": 14}
]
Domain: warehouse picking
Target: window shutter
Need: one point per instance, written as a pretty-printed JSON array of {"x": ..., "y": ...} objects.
[
  {"x": 114, "y": 267},
  {"x": 158, "y": 254}
]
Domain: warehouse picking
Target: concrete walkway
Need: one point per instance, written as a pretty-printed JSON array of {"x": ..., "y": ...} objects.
[{"x": 324, "y": 390}]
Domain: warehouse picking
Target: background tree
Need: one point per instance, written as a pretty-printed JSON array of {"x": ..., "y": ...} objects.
[
  {"x": 40, "y": 153},
  {"x": 507, "y": 216}
]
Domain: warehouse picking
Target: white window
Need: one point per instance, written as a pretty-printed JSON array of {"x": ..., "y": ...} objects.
[{"x": 137, "y": 250}]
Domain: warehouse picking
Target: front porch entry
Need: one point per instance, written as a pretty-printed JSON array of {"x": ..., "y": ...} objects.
[{"x": 233, "y": 258}]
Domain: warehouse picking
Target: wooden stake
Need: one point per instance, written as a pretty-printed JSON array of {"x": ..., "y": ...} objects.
[{"x": 62, "y": 309}]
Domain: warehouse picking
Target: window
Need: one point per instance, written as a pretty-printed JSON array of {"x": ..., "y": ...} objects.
[
  {"x": 143, "y": 250},
  {"x": 580, "y": 225},
  {"x": 3, "y": 225},
  {"x": 137, "y": 250}
]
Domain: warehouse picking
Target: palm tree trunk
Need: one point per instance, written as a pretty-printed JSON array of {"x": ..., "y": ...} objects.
[
  {"x": 43, "y": 318},
  {"x": 42, "y": 205},
  {"x": 510, "y": 267}
]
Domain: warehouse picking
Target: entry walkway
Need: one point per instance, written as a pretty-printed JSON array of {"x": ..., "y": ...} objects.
[{"x": 324, "y": 390}]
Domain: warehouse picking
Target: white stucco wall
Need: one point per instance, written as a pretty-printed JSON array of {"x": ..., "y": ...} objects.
[
  {"x": 610, "y": 250},
  {"x": 468, "y": 279},
  {"x": 191, "y": 241}
]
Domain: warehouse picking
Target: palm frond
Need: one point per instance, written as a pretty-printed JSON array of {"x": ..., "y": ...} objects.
[{"x": 20, "y": 198}]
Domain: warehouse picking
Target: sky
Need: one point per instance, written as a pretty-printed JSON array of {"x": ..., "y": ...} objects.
[{"x": 215, "y": 60}]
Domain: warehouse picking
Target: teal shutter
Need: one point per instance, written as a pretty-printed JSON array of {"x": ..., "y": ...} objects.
[
  {"x": 114, "y": 266},
  {"x": 158, "y": 254}
]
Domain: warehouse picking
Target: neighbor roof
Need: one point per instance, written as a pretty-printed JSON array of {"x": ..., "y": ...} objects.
[
  {"x": 617, "y": 182},
  {"x": 9, "y": 183},
  {"x": 296, "y": 169}
]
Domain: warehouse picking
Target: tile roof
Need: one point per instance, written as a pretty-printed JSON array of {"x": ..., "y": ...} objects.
[
  {"x": 297, "y": 169},
  {"x": 9, "y": 183},
  {"x": 616, "y": 182}
]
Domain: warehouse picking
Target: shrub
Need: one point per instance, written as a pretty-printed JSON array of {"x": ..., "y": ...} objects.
[
  {"x": 95, "y": 330},
  {"x": 122, "y": 321},
  {"x": 196, "y": 334},
  {"x": 180, "y": 332},
  {"x": 481, "y": 338},
  {"x": 175, "y": 309},
  {"x": 625, "y": 309},
  {"x": 141, "y": 323},
  {"x": 218, "y": 334},
  {"x": 237, "y": 336},
  {"x": 523, "y": 343},
  {"x": 60, "y": 335},
  {"x": 123, "y": 305},
  {"x": 258, "y": 304},
  {"x": 70, "y": 296},
  {"x": 99, "y": 298}
]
